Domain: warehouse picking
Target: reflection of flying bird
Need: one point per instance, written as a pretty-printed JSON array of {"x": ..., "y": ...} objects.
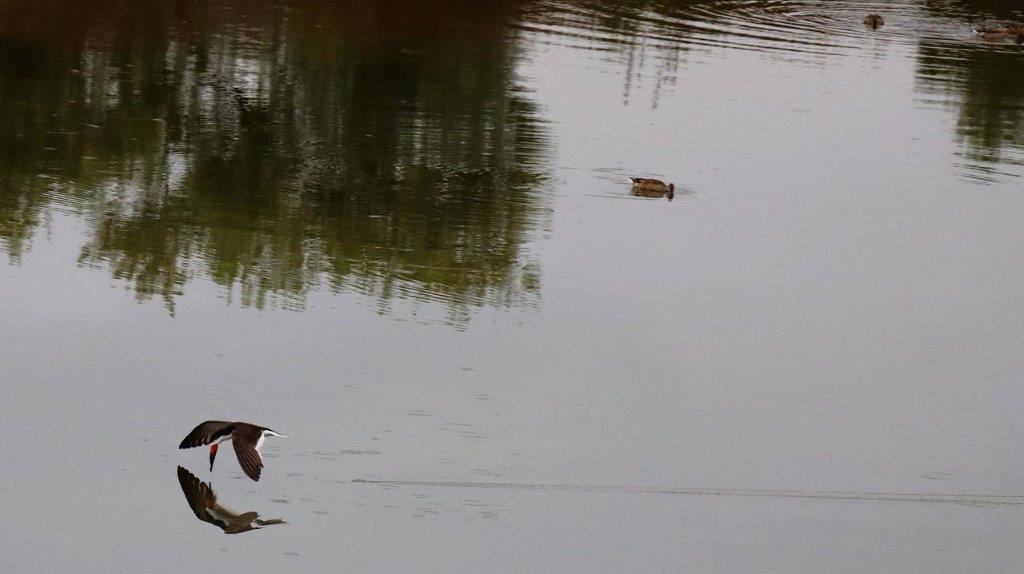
[
  {"x": 204, "y": 504},
  {"x": 247, "y": 439}
]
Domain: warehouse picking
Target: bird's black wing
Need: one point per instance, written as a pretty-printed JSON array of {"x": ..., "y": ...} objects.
[
  {"x": 206, "y": 433},
  {"x": 198, "y": 494},
  {"x": 249, "y": 458}
]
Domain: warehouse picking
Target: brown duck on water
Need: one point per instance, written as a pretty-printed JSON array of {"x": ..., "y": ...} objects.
[
  {"x": 874, "y": 21},
  {"x": 1015, "y": 33},
  {"x": 645, "y": 187}
]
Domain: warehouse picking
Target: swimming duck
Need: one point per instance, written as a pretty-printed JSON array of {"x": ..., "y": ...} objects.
[
  {"x": 992, "y": 35},
  {"x": 1015, "y": 33},
  {"x": 874, "y": 20},
  {"x": 1001, "y": 35},
  {"x": 645, "y": 187}
]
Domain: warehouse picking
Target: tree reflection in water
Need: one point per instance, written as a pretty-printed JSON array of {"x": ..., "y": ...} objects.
[
  {"x": 385, "y": 148},
  {"x": 981, "y": 80}
]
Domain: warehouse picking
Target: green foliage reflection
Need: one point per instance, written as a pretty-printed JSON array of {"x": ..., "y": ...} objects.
[{"x": 276, "y": 149}]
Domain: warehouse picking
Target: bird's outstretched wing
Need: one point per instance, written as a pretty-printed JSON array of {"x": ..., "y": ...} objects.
[
  {"x": 206, "y": 433},
  {"x": 199, "y": 495},
  {"x": 245, "y": 441},
  {"x": 242, "y": 523}
]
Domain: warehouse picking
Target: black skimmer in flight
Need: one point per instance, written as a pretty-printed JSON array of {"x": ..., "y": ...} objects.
[
  {"x": 204, "y": 504},
  {"x": 247, "y": 439}
]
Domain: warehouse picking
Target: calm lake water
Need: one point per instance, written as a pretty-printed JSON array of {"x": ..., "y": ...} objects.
[{"x": 402, "y": 233}]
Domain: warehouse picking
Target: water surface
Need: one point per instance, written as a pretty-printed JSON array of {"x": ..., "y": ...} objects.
[{"x": 400, "y": 233}]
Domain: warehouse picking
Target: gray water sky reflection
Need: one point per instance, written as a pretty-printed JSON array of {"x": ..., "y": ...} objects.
[{"x": 834, "y": 305}]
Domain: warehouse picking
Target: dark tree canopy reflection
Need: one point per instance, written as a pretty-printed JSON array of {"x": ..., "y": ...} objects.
[
  {"x": 983, "y": 80},
  {"x": 380, "y": 147},
  {"x": 977, "y": 10},
  {"x": 991, "y": 106}
]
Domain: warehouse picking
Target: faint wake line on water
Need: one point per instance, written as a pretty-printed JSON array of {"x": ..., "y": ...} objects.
[{"x": 964, "y": 499}]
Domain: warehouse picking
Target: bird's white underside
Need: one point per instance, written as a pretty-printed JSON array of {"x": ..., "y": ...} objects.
[{"x": 259, "y": 441}]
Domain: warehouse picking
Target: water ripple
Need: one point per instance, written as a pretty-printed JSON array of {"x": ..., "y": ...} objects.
[
  {"x": 785, "y": 26},
  {"x": 813, "y": 28}
]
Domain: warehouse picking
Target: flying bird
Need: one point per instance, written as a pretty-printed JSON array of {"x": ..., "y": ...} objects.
[
  {"x": 247, "y": 439},
  {"x": 203, "y": 501}
]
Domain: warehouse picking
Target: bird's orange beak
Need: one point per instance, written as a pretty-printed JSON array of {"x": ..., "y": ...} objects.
[{"x": 213, "y": 455}]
